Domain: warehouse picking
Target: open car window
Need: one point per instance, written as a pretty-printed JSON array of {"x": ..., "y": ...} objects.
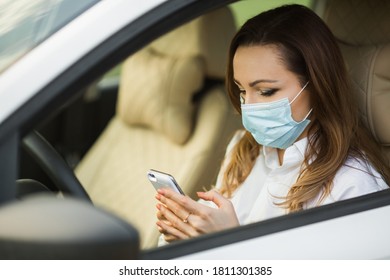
[{"x": 127, "y": 107}]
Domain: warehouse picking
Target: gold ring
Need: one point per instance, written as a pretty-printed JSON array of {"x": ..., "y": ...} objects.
[{"x": 186, "y": 219}]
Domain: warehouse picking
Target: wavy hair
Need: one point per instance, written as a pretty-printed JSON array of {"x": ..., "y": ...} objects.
[{"x": 308, "y": 49}]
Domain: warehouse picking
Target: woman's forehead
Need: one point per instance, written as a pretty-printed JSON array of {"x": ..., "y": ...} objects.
[{"x": 251, "y": 63}]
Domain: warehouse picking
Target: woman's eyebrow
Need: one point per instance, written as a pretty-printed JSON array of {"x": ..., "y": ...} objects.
[{"x": 252, "y": 84}]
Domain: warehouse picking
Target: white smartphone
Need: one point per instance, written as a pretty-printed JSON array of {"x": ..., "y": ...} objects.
[{"x": 162, "y": 180}]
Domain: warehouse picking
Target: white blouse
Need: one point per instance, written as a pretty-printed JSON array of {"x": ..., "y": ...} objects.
[{"x": 269, "y": 182}]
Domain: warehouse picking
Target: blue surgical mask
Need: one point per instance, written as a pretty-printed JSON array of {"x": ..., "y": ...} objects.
[{"x": 271, "y": 123}]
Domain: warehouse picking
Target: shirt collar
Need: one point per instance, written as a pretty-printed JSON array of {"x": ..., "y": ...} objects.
[{"x": 292, "y": 156}]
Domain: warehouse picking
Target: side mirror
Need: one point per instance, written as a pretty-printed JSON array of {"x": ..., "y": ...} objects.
[{"x": 46, "y": 227}]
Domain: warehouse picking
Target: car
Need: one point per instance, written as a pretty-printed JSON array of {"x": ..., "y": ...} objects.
[{"x": 73, "y": 181}]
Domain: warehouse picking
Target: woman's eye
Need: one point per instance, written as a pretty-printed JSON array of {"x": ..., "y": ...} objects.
[{"x": 267, "y": 92}]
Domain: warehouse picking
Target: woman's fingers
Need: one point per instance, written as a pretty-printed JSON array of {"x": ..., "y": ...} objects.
[
  {"x": 172, "y": 225},
  {"x": 215, "y": 197},
  {"x": 171, "y": 232},
  {"x": 159, "y": 214},
  {"x": 167, "y": 237},
  {"x": 165, "y": 227},
  {"x": 217, "y": 219},
  {"x": 170, "y": 238},
  {"x": 171, "y": 219},
  {"x": 179, "y": 204},
  {"x": 182, "y": 217}
]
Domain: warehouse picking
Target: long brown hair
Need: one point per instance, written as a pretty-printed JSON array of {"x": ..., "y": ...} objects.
[{"x": 308, "y": 49}]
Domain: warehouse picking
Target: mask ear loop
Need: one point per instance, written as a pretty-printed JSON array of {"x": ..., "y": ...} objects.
[
  {"x": 242, "y": 99},
  {"x": 307, "y": 114},
  {"x": 299, "y": 93}
]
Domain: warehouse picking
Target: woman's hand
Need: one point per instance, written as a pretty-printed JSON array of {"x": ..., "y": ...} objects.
[
  {"x": 167, "y": 237},
  {"x": 180, "y": 217}
]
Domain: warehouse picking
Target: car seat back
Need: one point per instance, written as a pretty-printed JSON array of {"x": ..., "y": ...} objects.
[{"x": 362, "y": 28}]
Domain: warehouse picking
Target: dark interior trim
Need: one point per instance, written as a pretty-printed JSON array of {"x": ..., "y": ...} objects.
[{"x": 8, "y": 174}]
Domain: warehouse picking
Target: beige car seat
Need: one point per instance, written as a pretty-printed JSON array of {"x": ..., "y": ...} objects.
[
  {"x": 169, "y": 117},
  {"x": 362, "y": 28}
]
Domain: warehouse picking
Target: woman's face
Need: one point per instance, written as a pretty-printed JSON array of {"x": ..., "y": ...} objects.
[{"x": 261, "y": 76}]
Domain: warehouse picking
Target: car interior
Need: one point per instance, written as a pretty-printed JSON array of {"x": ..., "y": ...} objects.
[
  {"x": 363, "y": 32},
  {"x": 172, "y": 115},
  {"x": 167, "y": 109}
]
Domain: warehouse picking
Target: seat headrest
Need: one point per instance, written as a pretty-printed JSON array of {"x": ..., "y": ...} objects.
[
  {"x": 158, "y": 82},
  {"x": 362, "y": 28},
  {"x": 207, "y": 36}
]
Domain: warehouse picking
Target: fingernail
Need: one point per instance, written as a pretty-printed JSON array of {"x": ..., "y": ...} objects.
[
  {"x": 158, "y": 196},
  {"x": 158, "y": 206}
]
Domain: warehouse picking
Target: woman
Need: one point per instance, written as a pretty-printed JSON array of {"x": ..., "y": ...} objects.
[{"x": 304, "y": 144}]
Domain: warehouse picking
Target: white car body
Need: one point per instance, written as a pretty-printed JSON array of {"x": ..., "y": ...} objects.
[{"x": 339, "y": 238}]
